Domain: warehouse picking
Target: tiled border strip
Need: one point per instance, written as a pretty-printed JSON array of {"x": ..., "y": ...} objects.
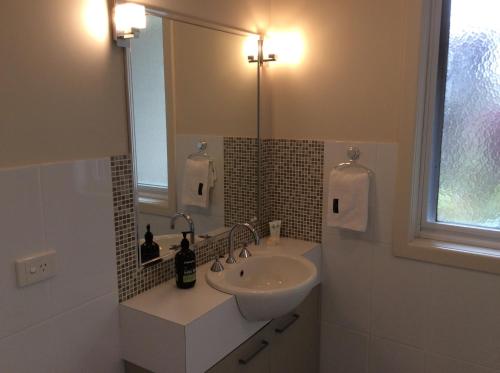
[{"x": 295, "y": 186}]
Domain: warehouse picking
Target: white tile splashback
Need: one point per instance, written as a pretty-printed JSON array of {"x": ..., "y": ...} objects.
[{"x": 67, "y": 207}]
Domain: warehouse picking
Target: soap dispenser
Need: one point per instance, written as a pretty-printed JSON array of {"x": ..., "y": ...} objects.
[
  {"x": 149, "y": 249},
  {"x": 185, "y": 265}
]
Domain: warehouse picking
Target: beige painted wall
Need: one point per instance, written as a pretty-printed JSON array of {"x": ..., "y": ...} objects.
[
  {"x": 351, "y": 83},
  {"x": 62, "y": 88}
]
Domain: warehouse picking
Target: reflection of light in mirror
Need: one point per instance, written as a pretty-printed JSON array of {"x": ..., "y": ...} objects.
[
  {"x": 288, "y": 46},
  {"x": 251, "y": 46},
  {"x": 96, "y": 19},
  {"x": 129, "y": 16}
]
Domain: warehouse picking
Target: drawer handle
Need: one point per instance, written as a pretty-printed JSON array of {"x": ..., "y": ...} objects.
[
  {"x": 295, "y": 317},
  {"x": 263, "y": 345}
]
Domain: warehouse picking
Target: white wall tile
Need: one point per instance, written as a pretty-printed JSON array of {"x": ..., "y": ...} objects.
[
  {"x": 342, "y": 351},
  {"x": 400, "y": 297},
  {"x": 441, "y": 364},
  {"x": 28, "y": 351},
  {"x": 86, "y": 339},
  {"x": 21, "y": 229},
  {"x": 78, "y": 213},
  {"x": 346, "y": 283},
  {"x": 465, "y": 315},
  {"x": 385, "y": 180},
  {"x": 389, "y": 357}
]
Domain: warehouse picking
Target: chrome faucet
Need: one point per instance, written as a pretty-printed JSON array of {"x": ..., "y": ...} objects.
[
  {"x": 188, "y": 220},
  {"x": 231, "y": 259}
]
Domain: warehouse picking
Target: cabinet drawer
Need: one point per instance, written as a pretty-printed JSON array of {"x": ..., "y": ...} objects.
[
  {"x": 250, "y": 357},
  {"x": 295, "y": 342},
  {"x": 288, "y": 344}
]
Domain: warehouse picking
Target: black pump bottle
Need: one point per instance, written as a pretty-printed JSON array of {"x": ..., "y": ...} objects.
[
  {"x": 149, "y": 249},
  {"x": 185, "y": 265}
]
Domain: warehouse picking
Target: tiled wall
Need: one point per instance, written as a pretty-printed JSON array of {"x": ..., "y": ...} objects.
[
  {"x": 67, "y": 323},
  {"x": 391, "y": 315},
  {"x": 125, "y": 225}
]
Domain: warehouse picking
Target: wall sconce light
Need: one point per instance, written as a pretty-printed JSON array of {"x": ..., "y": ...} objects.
[
  {"x": 260, "y": 59},
  {"x": 288, "y": 45},
  {"x": 128, "y": 18}
]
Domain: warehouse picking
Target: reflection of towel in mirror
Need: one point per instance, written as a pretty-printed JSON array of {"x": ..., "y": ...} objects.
[
  {"x": 199, "y": 177},
  {"x": 348, "y": 200}
]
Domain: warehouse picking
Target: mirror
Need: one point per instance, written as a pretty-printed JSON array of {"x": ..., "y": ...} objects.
[{"x": 194, "y": 125}]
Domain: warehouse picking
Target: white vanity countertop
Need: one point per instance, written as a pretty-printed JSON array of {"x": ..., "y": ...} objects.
[
  {"x": 183, "y": 306},
  {"x": 167, "y": 329},
  {"x": 180, "y": 306}
]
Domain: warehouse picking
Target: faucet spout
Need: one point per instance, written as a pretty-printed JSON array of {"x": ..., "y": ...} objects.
[
  {"x": 231, "y": 259},
  {"x": 189, "y": 221}
]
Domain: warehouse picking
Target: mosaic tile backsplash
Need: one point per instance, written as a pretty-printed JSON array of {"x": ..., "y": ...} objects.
[
  {"x": 240, "y": 179},
  {"x": 291, "y": 190},
  {"x": 294, "y": 190},
  {"x": 125, "y": 227}
]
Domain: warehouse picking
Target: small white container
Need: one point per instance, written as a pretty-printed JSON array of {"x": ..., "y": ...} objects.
[{"x": 275, "y": 230}]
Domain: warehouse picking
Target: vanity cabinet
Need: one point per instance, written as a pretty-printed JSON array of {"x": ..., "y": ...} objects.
[{"x": 289, "y": 344}]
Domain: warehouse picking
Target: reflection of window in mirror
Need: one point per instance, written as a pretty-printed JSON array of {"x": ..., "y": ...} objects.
[{"x": 152, "y": 136}]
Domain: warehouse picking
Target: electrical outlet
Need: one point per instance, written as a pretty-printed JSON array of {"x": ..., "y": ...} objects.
[{"x": 36, "y": 268}]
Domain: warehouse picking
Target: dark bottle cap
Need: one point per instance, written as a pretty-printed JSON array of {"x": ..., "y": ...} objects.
[
  {"x": 148, "y": 237},
  {"x": 185, "y": 242}
]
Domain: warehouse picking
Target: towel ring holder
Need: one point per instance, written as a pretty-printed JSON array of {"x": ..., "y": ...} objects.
[
  {"x": 353, "y": 154},
  {"x": 202, "y": 147}
]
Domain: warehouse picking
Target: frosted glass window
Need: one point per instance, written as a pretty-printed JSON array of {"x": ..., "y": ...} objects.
[
  {"x": 469, "y": 180},
  {"x": 150, "y": 119}
]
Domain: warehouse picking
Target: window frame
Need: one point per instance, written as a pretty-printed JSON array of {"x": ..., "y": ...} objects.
[
  {"x": 431, "y": 155},
  {"x": 151, "y": 199},
  {"x": 416, "y": 234}
]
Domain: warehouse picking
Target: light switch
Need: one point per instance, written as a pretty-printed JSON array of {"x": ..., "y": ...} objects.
[{"x": 35, "y": 268}]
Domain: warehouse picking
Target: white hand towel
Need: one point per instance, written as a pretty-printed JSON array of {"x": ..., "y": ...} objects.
[
  {"x": 212, "y": 175},
  {"x": 196, "y": 183},
  {"x": 348, "y": 199}
]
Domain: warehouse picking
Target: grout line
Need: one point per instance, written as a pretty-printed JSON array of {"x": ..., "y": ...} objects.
[
  {"x": 58, "y": 315},
  {"x": 43, "y": 214}
]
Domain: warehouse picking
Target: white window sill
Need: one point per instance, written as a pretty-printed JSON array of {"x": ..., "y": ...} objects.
[
  {"x": 155, "y": 206},
  {"x": 452, "y": 254}
]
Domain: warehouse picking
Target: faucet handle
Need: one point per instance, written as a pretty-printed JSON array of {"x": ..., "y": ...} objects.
[
  {"x": 217, "y": 265},
  {"x": 245, "y": 253}
]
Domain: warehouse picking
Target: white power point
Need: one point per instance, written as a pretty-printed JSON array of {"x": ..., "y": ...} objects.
[{"x": 36, "y": 268}]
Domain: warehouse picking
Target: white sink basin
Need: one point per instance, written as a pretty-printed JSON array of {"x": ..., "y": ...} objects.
[{"x": 266, "y": 286}]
